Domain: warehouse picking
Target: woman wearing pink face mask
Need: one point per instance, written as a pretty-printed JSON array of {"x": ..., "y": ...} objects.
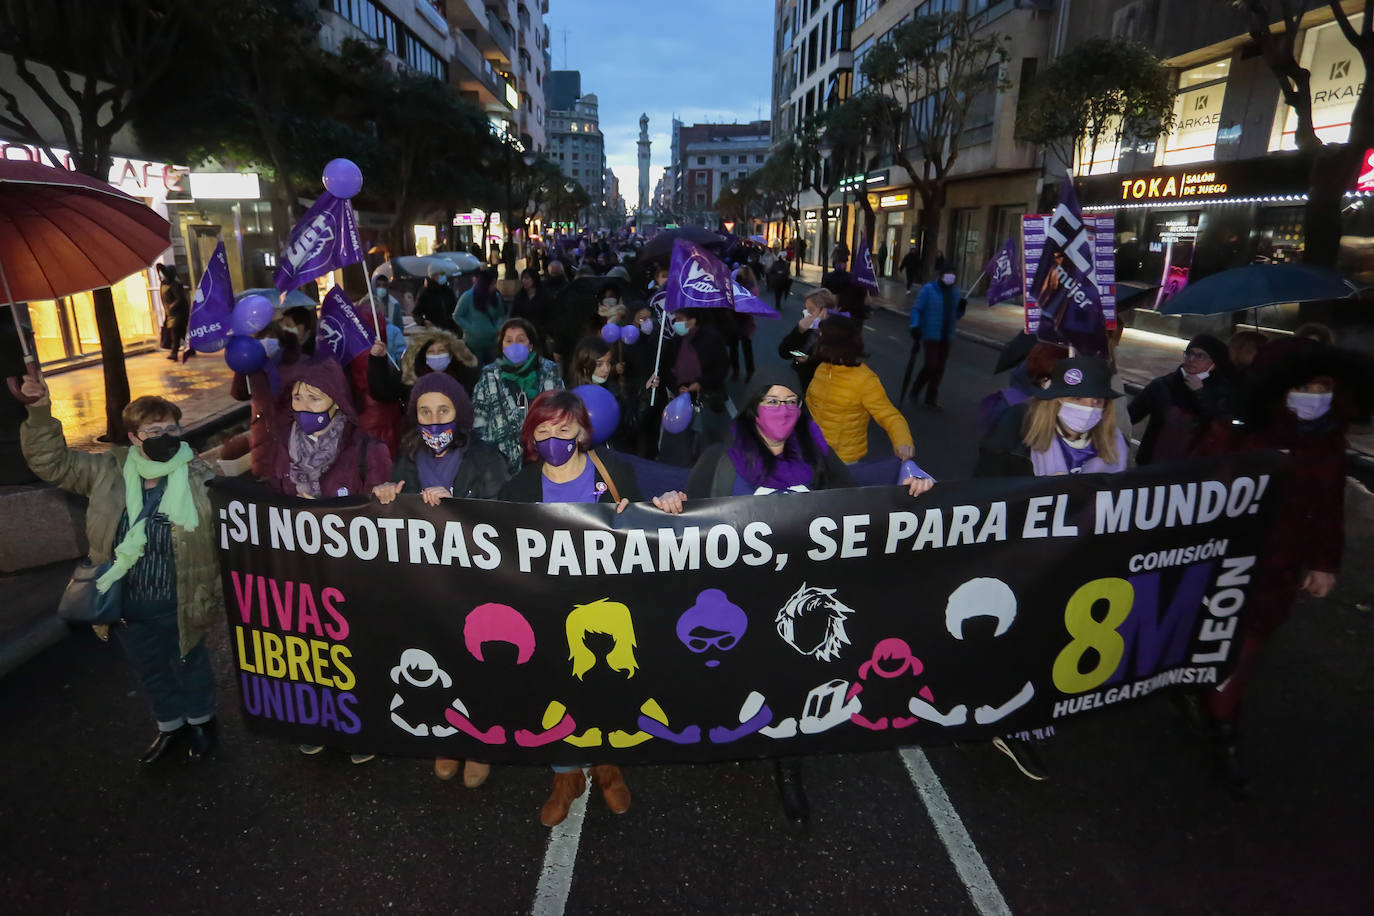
[{"x": 775, "y": 447}]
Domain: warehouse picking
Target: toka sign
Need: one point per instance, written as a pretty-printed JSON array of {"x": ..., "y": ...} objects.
[
  {"x": 325, "y": 238},
  {"x": 750, "y": 626}
]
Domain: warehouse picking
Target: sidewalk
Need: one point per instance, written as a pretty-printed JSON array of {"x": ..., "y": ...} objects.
[{"x": 199, "y": 387}]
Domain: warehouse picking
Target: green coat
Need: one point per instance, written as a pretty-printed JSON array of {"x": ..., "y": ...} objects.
[{"x": 100, "y": 478}]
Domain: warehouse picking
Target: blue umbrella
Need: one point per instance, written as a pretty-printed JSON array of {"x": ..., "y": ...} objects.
[
  {"x": 1255, "y": 286},
  {"x": 292, "y": 300}
]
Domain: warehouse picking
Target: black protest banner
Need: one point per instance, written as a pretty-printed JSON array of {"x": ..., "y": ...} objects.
[{"x": 791, "y": 624}]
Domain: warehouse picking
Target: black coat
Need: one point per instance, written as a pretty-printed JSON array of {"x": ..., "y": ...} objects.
[
  {"x": 481, "y": 475},
  {"x": 435, "y": 306},
  {"x": 1179, "y": 417},
  {"x": 527, "y": 486},
  {"x": 1003, "y": 452},
  {"x": 799, "y": 341}
]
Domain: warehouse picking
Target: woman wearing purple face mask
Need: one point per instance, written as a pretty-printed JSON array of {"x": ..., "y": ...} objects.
[
  {"x": 441, "y": 458},
  {"x": 321, "y": 451},
  {"x": 775, "y": 448},
  {"x": 509, "y": 385},
  {"x": 562, "y": 467}
]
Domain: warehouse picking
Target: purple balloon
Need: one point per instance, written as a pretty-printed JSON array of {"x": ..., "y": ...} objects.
[
  {"x": 251, "y": 314},
  {"x": 245, "y": 354},
  {"x": 610, "y": 332},
  {"x": 602, "y": 408},
  {"x": 342, "y": 178},
  {"x": 677, "y": 416},
  {"x": 629, "y": 334}
]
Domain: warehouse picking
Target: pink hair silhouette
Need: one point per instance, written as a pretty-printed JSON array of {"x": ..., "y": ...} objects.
[{"x": 498, "y": 623}]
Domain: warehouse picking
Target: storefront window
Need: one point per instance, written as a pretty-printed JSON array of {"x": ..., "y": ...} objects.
[
  {"x": 1197, "y": 114},
  {"x": 424, "y": 240},
  {"x": 1337, "y": 82},
  {"x": 47, "y": 331},
  {"x": 132, "y": 308}
]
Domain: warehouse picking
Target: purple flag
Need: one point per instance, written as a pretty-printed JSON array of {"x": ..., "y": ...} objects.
[
  {"x": 698, "y": 279},
  {"x": 325, "y": 238},
  {"x": 342, "y": 331},
  {"x": 1004, "y": 274},
  {"x": 864, "y": 274},
  {"x": 208, "y": 330},
  {"x": 1070, "y": 305}
]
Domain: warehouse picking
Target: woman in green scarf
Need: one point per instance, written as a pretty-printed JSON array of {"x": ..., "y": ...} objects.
[
  {"x": 508, "y": 385},
  {"x": 150, "y": 518}
]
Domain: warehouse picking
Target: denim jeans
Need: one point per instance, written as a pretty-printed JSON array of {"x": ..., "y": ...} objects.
[{"x": 179, "y": 688}]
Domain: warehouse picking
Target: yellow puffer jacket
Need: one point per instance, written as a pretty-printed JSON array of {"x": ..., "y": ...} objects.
[{"x": 842, "y": 398}]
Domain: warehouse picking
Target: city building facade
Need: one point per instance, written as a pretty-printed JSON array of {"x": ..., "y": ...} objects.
[
  {"x": 575, "y": 139},
  {"x": 709, "y": 158}
]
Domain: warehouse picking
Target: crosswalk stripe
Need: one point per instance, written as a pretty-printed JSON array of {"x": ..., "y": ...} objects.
[
  {"x": 555, "y": 878},
  {"x": 968, "y": 862}
]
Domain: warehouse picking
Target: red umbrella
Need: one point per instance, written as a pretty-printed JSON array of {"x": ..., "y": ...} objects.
[{"x": 63, "y": 233}]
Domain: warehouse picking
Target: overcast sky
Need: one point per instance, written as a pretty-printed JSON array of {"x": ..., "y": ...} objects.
[{"x": 701, "y": 60}]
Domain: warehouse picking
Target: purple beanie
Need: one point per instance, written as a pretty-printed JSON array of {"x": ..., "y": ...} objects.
[{"x": 448, "y": 386}]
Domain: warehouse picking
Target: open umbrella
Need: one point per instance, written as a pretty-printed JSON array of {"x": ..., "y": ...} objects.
[
  {"x": 660, "y": 247},
  {"x": 63, "y": 233},
  {"x": 1257, "y": 285},
  {"x": 414, "y": 267},
  {"x": 293, "y": 299},
  {"x": 467, "y": 261}
]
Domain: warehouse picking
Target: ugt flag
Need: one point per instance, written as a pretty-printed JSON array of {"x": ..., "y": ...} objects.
[
  {"x": 698, "y": 279},
  {"x": 342, "y": 331},
  {"x": 864, "y": 274},
  {"x": 1070, "y": 305},
  {"x": 208, "y": 329},
  {"x": 325, "y": 238},
  {"x": 1004, "y": 274}
]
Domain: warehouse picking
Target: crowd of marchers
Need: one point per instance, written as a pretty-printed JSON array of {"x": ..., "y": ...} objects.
[{"x": 468, "y": 394}]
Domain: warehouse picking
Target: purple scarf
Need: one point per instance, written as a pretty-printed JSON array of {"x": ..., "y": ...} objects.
[
  {"x": 437, "y": 470},
  {"x": 311, "y": 456},
  {"x": 1062, "y": 458},
  {"x": 791, "y": 469}
]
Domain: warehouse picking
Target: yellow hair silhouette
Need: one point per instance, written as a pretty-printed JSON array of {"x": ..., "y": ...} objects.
[{"x": 607, "y": 618}]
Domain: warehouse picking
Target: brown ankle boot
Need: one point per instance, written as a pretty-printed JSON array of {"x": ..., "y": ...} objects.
[
  {"x": 613, "y": 788},
  {"x": 445, "y": 767},
  {"x": 566, "y": 787}
]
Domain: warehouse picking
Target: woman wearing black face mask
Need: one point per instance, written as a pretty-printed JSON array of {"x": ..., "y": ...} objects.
[{"x": 152, "y": 528}]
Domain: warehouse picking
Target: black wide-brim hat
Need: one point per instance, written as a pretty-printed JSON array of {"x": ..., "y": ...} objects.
[{"x": 1080, "y": 377}]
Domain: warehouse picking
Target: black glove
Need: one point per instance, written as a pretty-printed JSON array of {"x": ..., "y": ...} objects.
[{"x": 916, "y": 335}]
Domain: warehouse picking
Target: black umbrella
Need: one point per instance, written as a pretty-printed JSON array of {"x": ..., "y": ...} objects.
[
  {"x": 1014, "y": 352},
  {"x": 660, "y": 247}
]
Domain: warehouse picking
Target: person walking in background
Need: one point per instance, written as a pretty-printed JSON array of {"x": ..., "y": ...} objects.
[
  {"x": 881, "y": 258},
  {"x": 844, "y": 394},
  {"x": 150, "y": 523},
  {"x": 911, "y": 266},
  {"x": 933, "y": 316},
  {"x": 480, "y": 312},
  {"x": 176, "y": 306},
  {"x": 780, "y": 281},
  {"x": 436, "y": 303}
]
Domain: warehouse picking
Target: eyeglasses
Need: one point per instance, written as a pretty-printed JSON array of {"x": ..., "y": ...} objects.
[
  {"x": 776, "y": 402},
  {"x": 152, "y": 432},
  {"x": 1196, "y": 355}
]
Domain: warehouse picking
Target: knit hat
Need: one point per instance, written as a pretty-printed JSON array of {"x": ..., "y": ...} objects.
[
  {"x": 447, "y": 385},
  {"x": 1214, "y": 348}
]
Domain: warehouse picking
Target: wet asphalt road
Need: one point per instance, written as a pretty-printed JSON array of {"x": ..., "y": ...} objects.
[{"x": 1129, "y": 823}]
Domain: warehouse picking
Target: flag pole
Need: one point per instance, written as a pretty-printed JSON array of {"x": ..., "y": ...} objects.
[{"x": 658, "y": 354}]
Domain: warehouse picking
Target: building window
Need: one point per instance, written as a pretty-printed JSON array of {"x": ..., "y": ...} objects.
[
  {"x": 978, "y": 121},
  {"x": 701, "y": 198},
  {"x": 1337, "y": 83},
  {"x": 758, "y": 159},
  {"x": 1197, "y": 113},
  {"x": 864, "y": 9},
  {"x": 574, "y": 157},
  {"x": 701, "y": 160}
]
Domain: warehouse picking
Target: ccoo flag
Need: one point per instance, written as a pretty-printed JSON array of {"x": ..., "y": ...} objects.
[
  {"x": 342, "y": 331},
  {"x": 1004, "y": 274},
  {"x": 698, "y": 279},
  {"x": 864, "y": 274},
  {"x": 208, "y": 330},
  {"x": 1070, "y": 305},
  {"x": 325, "y": 238}
]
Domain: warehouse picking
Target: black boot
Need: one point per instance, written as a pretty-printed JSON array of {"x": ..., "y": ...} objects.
[
  {"x": 162, "y": 745},
  {"x": 204, "y": 740},
  {"x": 791, "y": 790},
  {"x": 1225, "y": 738}
]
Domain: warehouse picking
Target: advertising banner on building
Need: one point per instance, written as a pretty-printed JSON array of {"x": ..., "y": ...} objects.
[{"x": 843, "y": 620}]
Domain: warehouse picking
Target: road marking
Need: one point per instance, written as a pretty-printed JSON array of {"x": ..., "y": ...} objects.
[
  {"x": 982, "y": 890},
  {"x": 555, "y": 879}
]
